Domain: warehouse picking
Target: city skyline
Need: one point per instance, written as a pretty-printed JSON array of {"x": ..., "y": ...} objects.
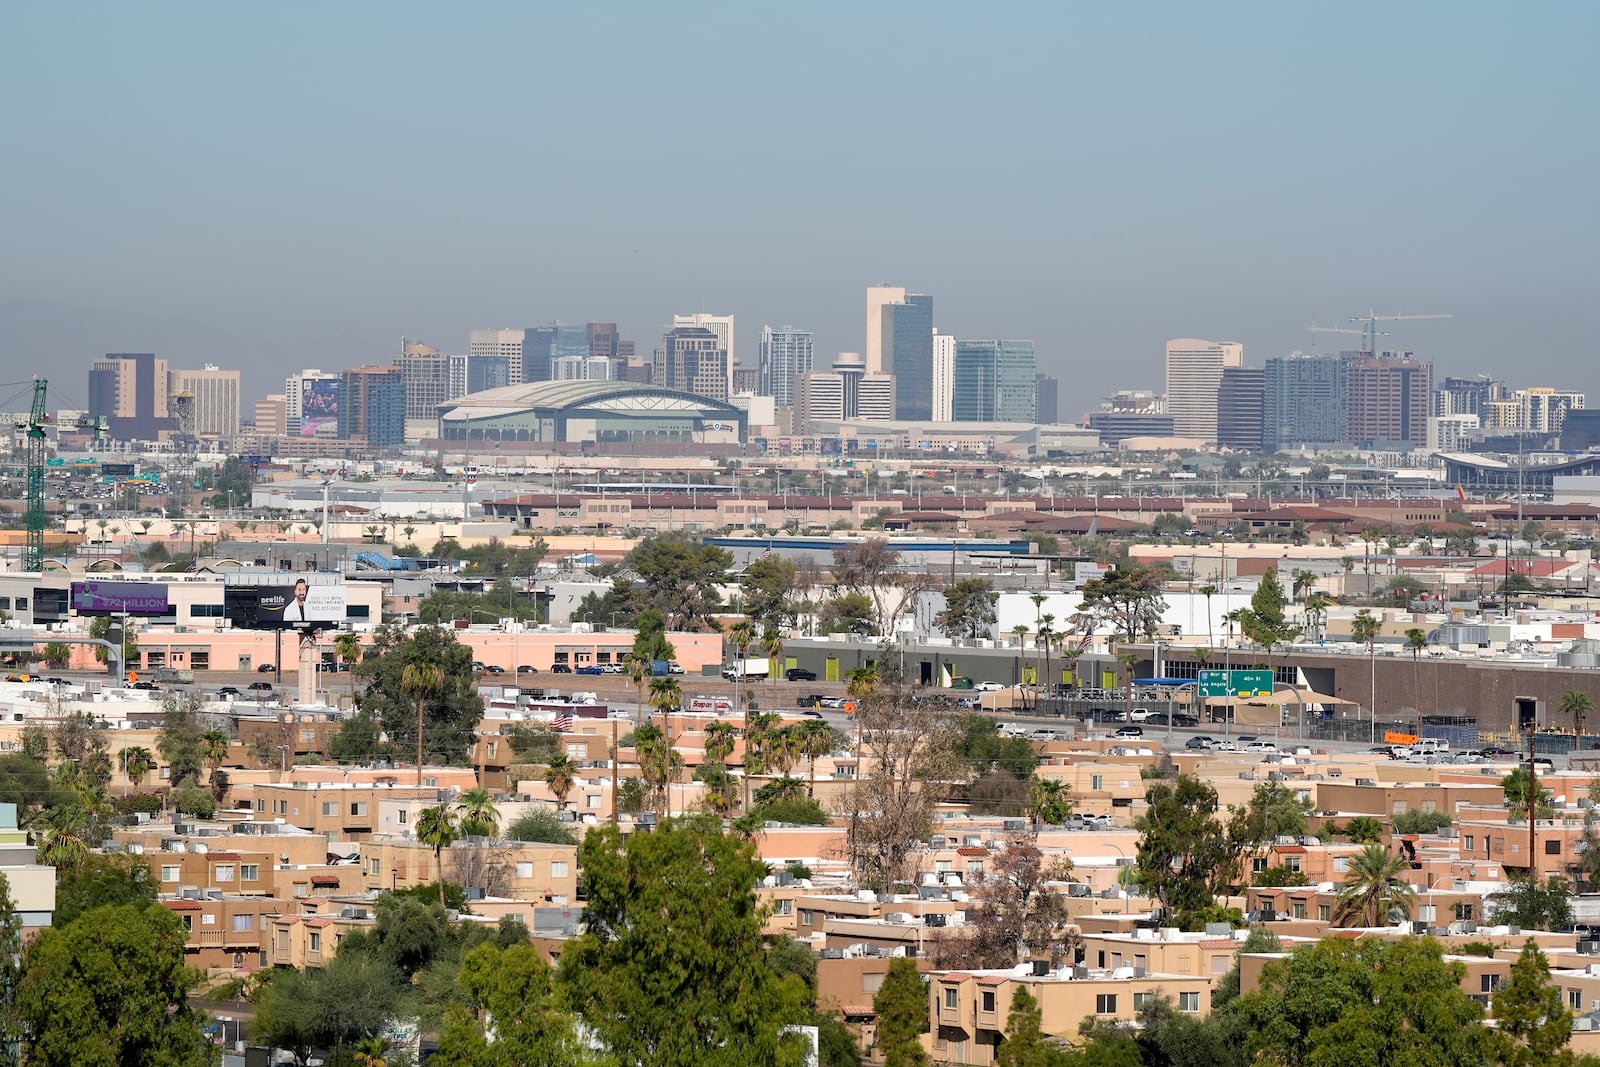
[{"x": 292, "y": 238}]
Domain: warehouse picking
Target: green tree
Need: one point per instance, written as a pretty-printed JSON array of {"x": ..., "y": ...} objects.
[
  {"x": 111, "y": 990},
  {"x": 56, "y": 654},
  {"x": 1373, "y": 887},
  {"x": 678, "y": 576},
  {"x": 449, "y": 714},
  {"x": 766, "y": 586},
  {"x": 137, "y": 762},
  {"x": 660, "y": 764},
  {"x": 1265, "y": 622},
  {"x": 1049, "y": 801},
  {"x": 1344, "y": 1002},
  {"x": 513, "y": 989},
  {"x": 1363, "y": 829},
  {"x": 1532, "y": 1024},
  {"x": 1273, "y": 811},
  {"x": 11, "y": 1029},
  {"x": 847, "y": 613},
  {"x": 359, "y": 739},
  {"x": 1185, "y": 857},
  {"x": 561, "y": 774},
  {"x": 1578, "y": 704},
  {"x": 1129, "y": 598},
  {"x": 1516, "y": 786},
  {"x": 669, "y": 971},
  {"x": 180, "y": 740},
  {"x": 1025, "y": 1044},
  {"x": 902, "y": 1007},
  {"x": 334, "y": 1007},
  {"x": 1420, "y": 822},
  {"x": 969, "y": 608},
  {"x": 650, "y": 638},
  {"x": 540, "y": 825},
  {"x": 438, "y": 829},
  {"x": 1526, "y": 903},
  {"x": 1365, "y": 628},
  {"x": 102, "y": 881}
]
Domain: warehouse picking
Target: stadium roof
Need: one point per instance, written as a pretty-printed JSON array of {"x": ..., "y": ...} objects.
[{"x": 558, "y": 395}]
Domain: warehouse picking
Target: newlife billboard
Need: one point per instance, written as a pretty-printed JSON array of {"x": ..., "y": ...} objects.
[
  {"x": 284, "y": 602},
  {"x": 119, "y": 598}
]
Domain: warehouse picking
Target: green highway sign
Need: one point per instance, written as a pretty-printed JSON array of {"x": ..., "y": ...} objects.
[{"x": 1235, "y": 683}]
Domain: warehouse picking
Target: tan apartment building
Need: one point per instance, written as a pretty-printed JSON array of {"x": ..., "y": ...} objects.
[
  {"x": 541, "y": 873},
  {"x": 343, "y": 811},
  {"x": 225, "y": 931}
]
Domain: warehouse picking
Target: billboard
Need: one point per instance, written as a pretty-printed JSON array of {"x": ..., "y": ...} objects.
[
  {"x": 319, "y": 407},
  {"x": 294, "y": 603},
  {"x": 119, "y": 598},
  {"x": 117, "y": 470}
]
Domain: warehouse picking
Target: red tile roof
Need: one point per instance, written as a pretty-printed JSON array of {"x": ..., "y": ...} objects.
[{"x": 972, "y": 852}]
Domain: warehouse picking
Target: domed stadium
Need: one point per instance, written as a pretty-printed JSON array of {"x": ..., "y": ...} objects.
[{"x": 579, "y": 411}]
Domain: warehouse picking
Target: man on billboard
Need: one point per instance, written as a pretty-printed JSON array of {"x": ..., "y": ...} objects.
[
  {"x": 307, "y": 604},
  {"x": 295, "y": 610}
]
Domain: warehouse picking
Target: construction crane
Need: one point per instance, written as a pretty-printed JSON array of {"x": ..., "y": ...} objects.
[
  {"x": 34, "y": 517},
  {"x": 1372, "y": 318},
  {"x": 1314, "y": 328},
  {"x": 180, "y": 474}
]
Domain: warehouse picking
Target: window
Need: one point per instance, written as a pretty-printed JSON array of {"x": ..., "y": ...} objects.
[
  {"x": 1221, "y": 964},
  {"x": 558, "y": 869},
  {"x": 1552, "y": 846},
  {"x": 283, "y": 941},
  {"x": 808, "y": 917},
  {"x": 373, "y": 868},
  {"x": 952, "y": 997},
  {"x": 1188, "y": 1001},
  {"x": 1401, "y": 807},
  {"x": 1292, "y": 862},
  {"x": 492, "y": 747},
  {"x": 1142, "y": 1001},
  {"x": 1105, "y": 1004},
  {"x": 250, "y": 872},
  {"x": 1298, "y": 909},
  {"x": 1464, "y": 912},
  {"x": 205, "y": 611},
  {"x": 1575, "y": 999},
  {"x": 244, "y": 922},
  {"x": 974, "y": 868},
  {"x": 941, "y": 866},
  {"x": 169, "y": 874},
  {"x": 592, "y": 800},
  {"x": 1324, "y": 913},
  {"x": 1259, "y": 864},
  {"x": 871, "y": 983},
  {"x": 316, "y": 942},
  {"x": 524, "y": 870},
  {"x": 1488, "y": 983},
  {"x": 988, "y": 1000},
  {"x": 1467, "y": 843},
  {"x": 1341, "y": 864},
  {"x": 358, "y": 808},
  {"x": 308, "y": 734},
  {"x": 404, "y": 815},
  {"x": 330, "y": 808},
  {"x": 1097, "y": 782},
  {"x": 785, "y": 907},
  {"x": 223, "y": 872},
  {"x": 261, "y": 803}
]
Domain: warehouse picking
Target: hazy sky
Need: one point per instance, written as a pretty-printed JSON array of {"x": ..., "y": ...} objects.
[{"x": 1098, "y": 178}]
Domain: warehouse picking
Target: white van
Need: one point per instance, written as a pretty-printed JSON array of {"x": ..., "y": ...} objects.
[{"x": 1431, "y": 744}]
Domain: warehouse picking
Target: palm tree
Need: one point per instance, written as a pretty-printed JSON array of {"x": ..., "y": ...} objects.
[
  {"x": 1209, "y": 591},
  {"x": 772, "y": 648},
  {"x": 863, "y": 681},
  {"x": 784, "y": 748},
  {"x": 1373, "y": 887},
  {"x": 1416, "y": 641},
  {"x": 742, "y": 634},
  {"x": 64, "y": 843},
  {"x": 347, "y": 646},
  {"x": 1235, "y": 618},
  {"x": 136, "y": 763},
  {"x": 371, "y": 1051},
  {"x": 816, "y": 738},
  {"x": 660, "y": 764},
  {"x": 419, "y": 681},
  {"x": 560, "y": 774},
  {"x": 720, "y": 741},
  {"x": 214, "y": 747},
  {"x": 1304, "y": 582},
  {"x": 1129, "y": 660},
  {"x": 665, "y": 693},
  {"x": 1316, "y": 613},
  {"x": 1577, "y": 703},
  {"x": 437, "y": 828},
  {"x": 479, "y": 816},
  {"x": 1049, "y": 800}
]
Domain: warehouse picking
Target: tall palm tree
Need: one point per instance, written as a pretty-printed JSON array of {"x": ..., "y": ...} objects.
[
  {"x": 347, "y": 646},
  {"x": 660, "y": 764},
  {"x": 758, "y": 730},
  {"x": 560, "y": 774},
  {"x": 720, "y": 741},
  {"x": 742, "y": 634},
  {"x": 136, "y": 763},
  {"x": 371, "y": 1051},
  {"x": 437, "y": 828},
  {"x": 420, "y": 681},
  {"x": 783, "y": 749},
  {"x": 1416, "y": 641},
  {"x": 1373, "y": 887},
  {"x": 214, "y": 747},
  {"x": 665, "y": 693},
  {"x": 1129, "y": 660},
  {"x": 1577, "y": 703},
  {"x": 1049, "y": 800},
  {"x": 816, "y": 738},
  {"x": 1304, "y": 582},
  {"x": 639, "y": 672},
  {"x": 64, "y": 840},
  {"x": 479, "y": 816},
  {"x": 1209, "y": 591},
  {"x": 772, "y": 648}
]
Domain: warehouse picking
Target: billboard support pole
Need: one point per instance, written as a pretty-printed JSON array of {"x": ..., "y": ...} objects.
[{"x": 277, "y": 660}]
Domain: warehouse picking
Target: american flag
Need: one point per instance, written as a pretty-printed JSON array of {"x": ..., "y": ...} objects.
[{"x": 561, "y": 722}]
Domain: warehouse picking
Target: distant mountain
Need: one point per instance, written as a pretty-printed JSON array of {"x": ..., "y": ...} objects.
[{"x": 60, "y": 340}]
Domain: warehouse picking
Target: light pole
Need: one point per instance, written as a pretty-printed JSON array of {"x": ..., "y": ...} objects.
[{"x": 283, "y": 760}]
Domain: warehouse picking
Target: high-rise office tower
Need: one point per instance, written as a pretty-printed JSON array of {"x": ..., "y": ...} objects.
[
  {"x": 216, "y": 398},
  {"x": 129, "y": 390},
  {"x": 845, "y": 392},
  {"x": 785, "y": 353},
  {"x": 372, "y": 406},
  {"x": 721, "y": 326},
  {"x": 516, "y": 346},
  {"x": 582, "y": 368},
  {"x": 1241, "y": 407},
  {"x": 907, "y": 353},
  {"x": 1049, "y": 399},
  {"x": 602, "y": 339},
  {"x": 312, "y": 403},
  {"x": 426, "y": 371},
  {"x": 1390, "y": 396},
  {"x": 879, "y": 297},
  {"x": 691, "y": 359},
  {"x": 269, "y": 416},
  {"x": 944, "y": 376},
  {"x": 1194, "y": 373},
  {"x": 1307, "y": 401},
  {"x": 995, "y": 382}
]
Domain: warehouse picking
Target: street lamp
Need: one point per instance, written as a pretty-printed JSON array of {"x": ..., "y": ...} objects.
[{"x": 394, "y": 876}]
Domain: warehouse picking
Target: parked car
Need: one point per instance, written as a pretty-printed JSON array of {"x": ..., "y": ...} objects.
[
  {"x": 1497, "y": 752},
  {"x": 1201, "y": 743},
  {"x": 590, "y": 668},
  {"x": 1129, "y": 731},
  {"x": 560, "y": 668},
  {"x": 149, "y": 686},
  {"x": 812, "y": 713},
  {"x": 987, "y": 687},
  {"x": 1227, "y": 744},
  {"x": 1261, "y": 746},
  {"x": 613, "y": 668},
  {"x": 832, "y": 702},
  {"x": 260, "y": 687},
  {"x": 227, "y": 691},
  {"x": 675, "y": 668},
  {"x": 266, "y": 668},
  {"x": 527, "y": 668},
  {"x": 478, "y": 666},
  {"x": 1141, "y": 714},
  {"x": 799, "y": 674}
]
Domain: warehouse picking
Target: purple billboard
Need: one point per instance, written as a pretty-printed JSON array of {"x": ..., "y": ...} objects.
[
  {"x": 119, "y": 598},
  {"x": 319, "y": 407}
]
